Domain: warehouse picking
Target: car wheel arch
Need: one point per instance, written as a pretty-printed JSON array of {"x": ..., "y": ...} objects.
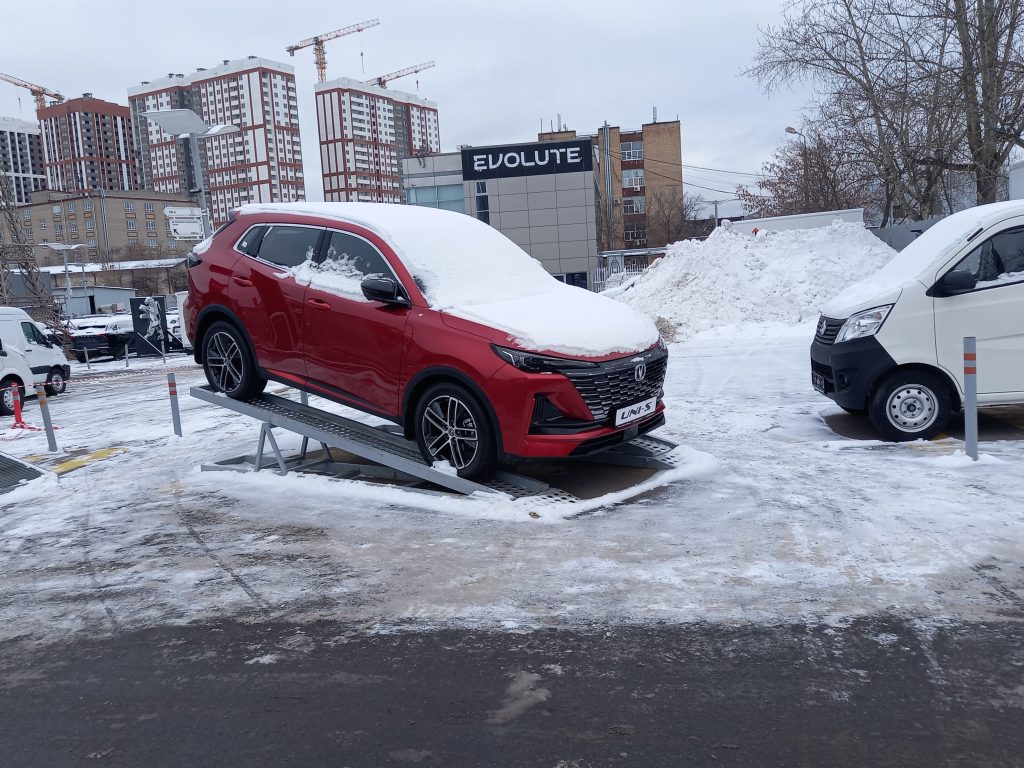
[
  {"x": 427, "y": 378},
  {"x": 210, "y": 315},
  {"x": 942, "y": 374}
]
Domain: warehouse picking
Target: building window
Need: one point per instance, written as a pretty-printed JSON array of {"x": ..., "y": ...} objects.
[
  {"x": 484, "y": 216},
  {"x": 632, "y": 150},
  {"x": 151, "y": 226},
  {"x": 42, "y": 223},
  {"x": 55, "y": 209},
  {"x": 148, "y": 207},
  {"x": 633, "y": 178},
  {"x": 28, "y": 215},
  {"x": 481, "y": 187},
  {"x": 131, "y": 225},
  {"x": 72, "y": 228},
  {"x": 636, "y": 204},
  {"x": 151, "y": 242},
  {"x": 87, "y": 205},
  {"x": 92, "y": 242},
  {"x": 90, "y": 225},
  {"x": 634, "y": 233},
  {"x": 129, "y": 206},
  {"x": 133, "y": 241},
  {"x": 172, "y": 245},
  {"x": 58, "y": 229},
  {"x": 69, "y": 207}
]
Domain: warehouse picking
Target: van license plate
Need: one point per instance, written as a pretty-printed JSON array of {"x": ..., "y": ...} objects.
[
  {"x": 635, "y": 411},
  {"x": 818, "y": 382}
]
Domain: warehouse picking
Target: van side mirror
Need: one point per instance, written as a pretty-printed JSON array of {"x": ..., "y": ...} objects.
[
  {"x": 952, "y": 283},
  {"x": 385, "y": 290}
]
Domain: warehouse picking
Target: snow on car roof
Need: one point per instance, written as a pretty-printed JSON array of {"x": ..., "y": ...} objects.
[{"x": 469, "y": 269}]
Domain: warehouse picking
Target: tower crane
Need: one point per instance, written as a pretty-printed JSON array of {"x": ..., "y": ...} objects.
[
  {"x": 319, "y": 54},
  {"x": 383, "y": 80},
  {"x": 38, "y": 91}
]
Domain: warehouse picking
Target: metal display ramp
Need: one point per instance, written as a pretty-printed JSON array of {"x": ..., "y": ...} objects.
[{"x": 393, "y": 457}]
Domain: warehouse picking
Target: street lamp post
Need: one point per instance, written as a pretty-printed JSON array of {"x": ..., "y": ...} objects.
[
  {"x": 63, "y": 249},
  {"x": 186, "y": 124},
  {"x": 803, "y": 165}
]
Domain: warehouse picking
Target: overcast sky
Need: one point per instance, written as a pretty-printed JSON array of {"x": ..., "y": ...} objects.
[{"x": 503, "y": 68}]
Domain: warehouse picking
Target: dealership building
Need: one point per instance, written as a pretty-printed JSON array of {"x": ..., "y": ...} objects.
[{"x": 541, "y": 195}]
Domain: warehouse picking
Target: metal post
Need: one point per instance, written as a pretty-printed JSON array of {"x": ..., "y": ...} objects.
[
  {"x": 608, "y": 195},
  {"x": 197, "y": 177},
  {"x": 172, "y": 390},
  {"x": 971, "y": 396},
  {"x": 87, "y": 363},
  {"x": 51, "y": 438}
]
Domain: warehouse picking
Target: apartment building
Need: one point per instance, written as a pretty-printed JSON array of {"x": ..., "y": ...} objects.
[
  {"x": 261, "y": 163},
  {"x": 643, "y": 208},
  {"x": 21, "y": 157},
  {"x": 365, "y": 132},
  {"x": 87, "y": 144}
]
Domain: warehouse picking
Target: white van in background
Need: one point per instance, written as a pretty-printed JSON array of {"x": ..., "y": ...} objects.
[
  {"x": 891, "y": 346},
  {"x": 14, "y": 372},
  {"x": 46, "y": 361}
]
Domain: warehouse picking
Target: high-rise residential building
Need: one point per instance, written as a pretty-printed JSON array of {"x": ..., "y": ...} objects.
[
  {"x": 261, "y": 163},
  {"x": 21, "y": 157},
  {"x": 87, "y": 144},
  {"x": 365, "y": 133},
  {"x": 643, "y": 207}
]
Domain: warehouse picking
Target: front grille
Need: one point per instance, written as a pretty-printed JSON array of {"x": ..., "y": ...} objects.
[
  {"x": 827, "y": 335},
  {"x": 613, "y": 384}
]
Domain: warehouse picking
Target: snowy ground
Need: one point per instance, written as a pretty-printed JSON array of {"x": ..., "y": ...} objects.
[{"x": 784, "y": 519}]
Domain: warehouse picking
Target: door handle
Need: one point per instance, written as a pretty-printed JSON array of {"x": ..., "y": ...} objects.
[
  {"x": 242, "y": 281},
  {"x": 318, "y": 304}
]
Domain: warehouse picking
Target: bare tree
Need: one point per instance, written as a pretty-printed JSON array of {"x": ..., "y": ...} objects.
[
  {"x": 930, "y": 89},
  {"x": 671, "y": 213}
]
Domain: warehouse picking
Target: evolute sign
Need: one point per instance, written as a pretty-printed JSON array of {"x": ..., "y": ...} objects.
[{"x": 527, "y": 159}]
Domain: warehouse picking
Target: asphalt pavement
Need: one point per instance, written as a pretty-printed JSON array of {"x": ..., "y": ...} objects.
[{"x": 881, "y": 691}]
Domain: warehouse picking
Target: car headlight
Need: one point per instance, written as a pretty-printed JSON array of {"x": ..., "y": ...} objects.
[
  {"x": 862, "y": 324},
  {"x": 534, "y": 363}
]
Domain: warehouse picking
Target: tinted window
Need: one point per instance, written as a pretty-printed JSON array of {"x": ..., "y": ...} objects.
[
  {"x": 32, "y": 333},
  {"x": 289, "y": 246},
  {"x": 251, "y": 241},
  {"x": 355, "y": 255},
  {"x": 999, "y": 257}
]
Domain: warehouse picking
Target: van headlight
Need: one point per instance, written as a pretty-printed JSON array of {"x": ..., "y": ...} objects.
[{"x": 862, "y": 324}]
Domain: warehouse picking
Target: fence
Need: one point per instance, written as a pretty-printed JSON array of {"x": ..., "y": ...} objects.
[{"x": 603, "y": 278}]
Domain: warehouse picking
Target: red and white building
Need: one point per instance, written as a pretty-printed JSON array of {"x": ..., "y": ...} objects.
[
  {"x": 262, "y": 163},
  {"x": 365, "y": 133},
  {"x": 87, "y": 144}
]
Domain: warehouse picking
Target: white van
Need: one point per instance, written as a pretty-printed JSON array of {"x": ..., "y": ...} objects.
[
  {"x": 891, "y": 346},
  {"x": 14, "y": 372},
  {"x": 46, "y": 361}
]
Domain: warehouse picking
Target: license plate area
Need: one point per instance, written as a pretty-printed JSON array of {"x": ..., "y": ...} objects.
[
  {"x": 818, "y": 382},
  {"x": 635, "y": 411}
]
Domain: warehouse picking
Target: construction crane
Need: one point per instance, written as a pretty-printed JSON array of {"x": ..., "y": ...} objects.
[
  {"x": 38, "y": 91},
  {"x": 318, "y": 44},
  {"x": 383, "y": 80}
]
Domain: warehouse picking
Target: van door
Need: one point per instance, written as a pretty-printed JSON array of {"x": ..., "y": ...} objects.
[
  {"x": 993, "y": 313},
  {"x": 38, "y": 351}
]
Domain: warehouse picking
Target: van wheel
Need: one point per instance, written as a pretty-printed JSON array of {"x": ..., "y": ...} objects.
[
  {"x": 7, "y": 395},
  {"x": 911, "y": 405},
  {"x": 229, "y": 364},
  {"x": 452, "y": 426},
  {"x": 56, "y": 384}
]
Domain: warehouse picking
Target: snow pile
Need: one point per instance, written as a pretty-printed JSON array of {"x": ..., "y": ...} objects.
[
  {"x": 736, "y": 280},
  {"x": 469, "y": 269}
]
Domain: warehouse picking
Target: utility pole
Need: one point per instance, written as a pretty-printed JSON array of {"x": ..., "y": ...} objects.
[{"x": 607, "y": 187}]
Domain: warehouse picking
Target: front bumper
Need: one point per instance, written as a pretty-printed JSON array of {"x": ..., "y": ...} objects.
[{"x": 850, "y": 370}]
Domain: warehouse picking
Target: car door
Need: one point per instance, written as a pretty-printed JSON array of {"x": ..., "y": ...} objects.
[
  {"x": 354, "y": 346},
  {"x": 993, "y": 313},
  {"x": 266, "y": 296},
  {"x": 38, "y": 351}
]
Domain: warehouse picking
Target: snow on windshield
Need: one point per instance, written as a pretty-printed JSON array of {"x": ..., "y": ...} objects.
[
  {"x": 469, "y": 269},
  {"x": 920, "y": 259}
]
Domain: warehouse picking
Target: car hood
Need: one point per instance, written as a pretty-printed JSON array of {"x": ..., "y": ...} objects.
[
  {"x": 859, "y": 297},
  {"x": 564, "y": 321}
]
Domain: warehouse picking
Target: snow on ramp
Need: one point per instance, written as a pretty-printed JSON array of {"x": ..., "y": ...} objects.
[{"x": 774, "y": 279}]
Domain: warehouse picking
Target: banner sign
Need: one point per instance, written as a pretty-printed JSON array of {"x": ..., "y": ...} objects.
[
  {"x": 545, "y": 157},
  {"x": 149, "y": 318}
]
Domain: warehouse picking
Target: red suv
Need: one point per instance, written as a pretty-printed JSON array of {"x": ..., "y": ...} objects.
[{"x": 427, "y": 318}]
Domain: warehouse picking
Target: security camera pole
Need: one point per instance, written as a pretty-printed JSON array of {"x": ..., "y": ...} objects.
[{"x": 186, "y": 124}]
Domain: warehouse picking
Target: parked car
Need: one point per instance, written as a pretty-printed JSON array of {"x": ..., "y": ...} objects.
[
  {"x": 102, "y": 336},
  {"x": 428, "y": 318},
  {"x": 46, "y": 362},
  {"x": 892, "y": 345}
]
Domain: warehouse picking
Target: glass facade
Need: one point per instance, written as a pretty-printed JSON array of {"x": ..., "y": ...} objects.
[{"x": 450, "y": 197}]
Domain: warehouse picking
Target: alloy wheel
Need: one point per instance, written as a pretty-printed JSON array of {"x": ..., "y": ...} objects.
[
  {"x": 225, "y": 361},
  {"x": 449, "y": 431}
]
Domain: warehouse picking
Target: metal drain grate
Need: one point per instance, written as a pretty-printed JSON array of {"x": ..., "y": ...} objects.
[{"x": 14, "y": 472}]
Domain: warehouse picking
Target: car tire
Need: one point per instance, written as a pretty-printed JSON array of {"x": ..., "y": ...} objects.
[
  {"x": 56, "y": 384},
  {"x": 7, "y": 396},
  {"x": 854, "y": 411},
  {"x": 229, "y": 363},
  {"x": 452, "y": 426},
  {"x": 911, "y": 404}
]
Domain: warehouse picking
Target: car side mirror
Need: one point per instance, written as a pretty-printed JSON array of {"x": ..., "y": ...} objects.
[
  {"x": 958, "y": 281},
  {"x": 385, "y": 290}
]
